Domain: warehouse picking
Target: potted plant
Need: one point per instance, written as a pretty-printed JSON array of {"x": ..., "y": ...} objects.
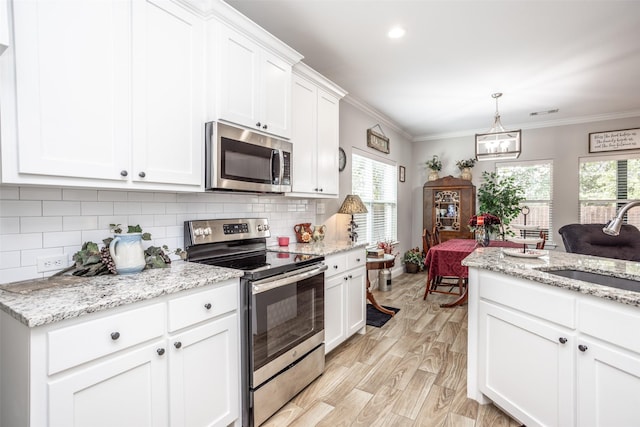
[
  {"x": 413, "y": 260},
  {"x": 500, "y": 196},
  {"x": 435, "y": 165},
  {"x": 465, "y": 167}
]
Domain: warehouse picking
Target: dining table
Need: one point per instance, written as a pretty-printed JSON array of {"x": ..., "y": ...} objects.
[{"x": 445, "y": 260}]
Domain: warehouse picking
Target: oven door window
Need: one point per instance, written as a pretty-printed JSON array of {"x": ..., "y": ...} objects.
[
  {"x": 242, "y": 161},
  {"x": 285, "y": 317}
]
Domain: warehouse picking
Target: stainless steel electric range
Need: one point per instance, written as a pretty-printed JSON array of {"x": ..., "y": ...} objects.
[{"x": 282, "y": 316}]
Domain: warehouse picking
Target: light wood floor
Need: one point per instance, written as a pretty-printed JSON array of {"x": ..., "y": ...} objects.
[{"x": 410, "y": 372}]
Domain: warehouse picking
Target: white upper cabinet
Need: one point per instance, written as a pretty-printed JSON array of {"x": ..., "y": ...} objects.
[
  {"x": 255, "y": 85},
  {"x": 168, "y": 94},
  {"x": 315, "y": 134},
  {"x": 106, "y": 94}
]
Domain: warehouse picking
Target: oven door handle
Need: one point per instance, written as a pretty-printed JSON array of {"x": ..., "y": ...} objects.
[{"x": 286, "y": 279}]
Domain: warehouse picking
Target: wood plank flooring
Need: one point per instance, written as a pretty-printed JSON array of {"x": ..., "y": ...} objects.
[{"x": 409, "y": 373}]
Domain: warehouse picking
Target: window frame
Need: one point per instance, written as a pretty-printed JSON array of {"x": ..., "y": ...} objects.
[{"x": 367, "y": 222}]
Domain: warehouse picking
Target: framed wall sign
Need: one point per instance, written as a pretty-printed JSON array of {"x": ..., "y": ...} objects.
[
  {"x": 377, "y": 141},
  {"x": 401, "y": 173},
  {"x": 614, "y": 140}
]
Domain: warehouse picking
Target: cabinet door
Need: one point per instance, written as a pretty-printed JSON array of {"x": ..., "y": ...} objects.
[
  {"x": 72, "y": 62},
  {"x": 334, "y": 311},
  {"x": 275, "y": 89},
  {"x": 356, "y": 301},
  {"x": 524, "y": 368},
  {"x": 96, "y": 396},
  {"x": 238, "y": 88},
  {"x": 303, "y": 136},
  {"x": 168, "y": 87},
  {"x": 204, "y": 374},
  {"x": 608, "y": 385},
  {"x": 328, "y": 142}
]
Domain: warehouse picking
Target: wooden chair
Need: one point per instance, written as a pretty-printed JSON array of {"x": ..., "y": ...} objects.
[
  {"x": 435, "y": 236},
  {"x": 449, "y": 281},
  {"x": 426, "y": 241},
  {"x": 543, "y": 236}
]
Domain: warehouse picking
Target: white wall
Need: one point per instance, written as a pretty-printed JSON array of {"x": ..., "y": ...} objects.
[
  {"x": 563, "y": 144},
  {"x": 353, "y": 136}
]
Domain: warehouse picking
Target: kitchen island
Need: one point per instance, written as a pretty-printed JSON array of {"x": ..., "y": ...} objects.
[
  {"x": 106, "y": 348},
  {"x": 551, "y": 350}
]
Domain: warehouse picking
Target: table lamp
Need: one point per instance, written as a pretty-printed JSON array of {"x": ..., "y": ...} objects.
[{"x": 352, "y": 205}]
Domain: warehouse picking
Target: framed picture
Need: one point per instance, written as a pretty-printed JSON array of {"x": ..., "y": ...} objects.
[
  {"x": 401, "y": 173},
  {"x": 377, "y": 141},
  {"x": 614, "y": 140}
]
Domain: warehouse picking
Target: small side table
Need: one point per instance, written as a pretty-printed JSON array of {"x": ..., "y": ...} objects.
[{"x": 387, "y": 261}]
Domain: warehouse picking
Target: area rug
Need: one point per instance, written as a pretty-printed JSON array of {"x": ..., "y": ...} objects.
[{"x": 377, "y": 318}]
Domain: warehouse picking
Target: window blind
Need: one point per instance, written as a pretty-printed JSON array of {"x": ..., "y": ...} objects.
[
  {"x": 536, "y": 179},
  {"x": 376, "y": 184},
  {"x": 606, "y": 184}
]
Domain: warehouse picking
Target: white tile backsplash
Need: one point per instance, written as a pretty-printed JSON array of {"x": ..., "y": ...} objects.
[{"x": 43, "y": 221}]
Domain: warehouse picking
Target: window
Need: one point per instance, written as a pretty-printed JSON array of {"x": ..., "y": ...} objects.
[
  {"x": 376, "y": 184},
  {"x": 606, "y": 184},
  {"x": 536, "y": 178}
]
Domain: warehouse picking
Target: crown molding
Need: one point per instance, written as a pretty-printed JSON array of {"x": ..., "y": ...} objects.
[
  {"x": 381, "y": 118},
  {"x": 538, "y": 125}
]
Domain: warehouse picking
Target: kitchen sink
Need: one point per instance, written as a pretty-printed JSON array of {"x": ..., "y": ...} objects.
[{"x": 599, "y": 279}]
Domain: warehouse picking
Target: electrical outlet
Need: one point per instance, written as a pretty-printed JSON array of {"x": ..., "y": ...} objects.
[{"x": 50, "y": 263}]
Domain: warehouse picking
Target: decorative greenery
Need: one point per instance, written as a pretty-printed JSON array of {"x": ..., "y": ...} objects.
[
  {"x": 92, "y": 260},
  {"x": 434, "y": 164},
  {"x": 500, "y": 196},
  {"x": 469, "y": 163},
  {"x": 414, "y": 256}
]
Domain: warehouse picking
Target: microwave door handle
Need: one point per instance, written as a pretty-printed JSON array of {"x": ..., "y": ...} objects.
[{"x": 277, "y": 167}]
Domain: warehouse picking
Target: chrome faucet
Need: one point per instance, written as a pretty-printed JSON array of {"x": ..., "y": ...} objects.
[{"x": 613, "y": 227}]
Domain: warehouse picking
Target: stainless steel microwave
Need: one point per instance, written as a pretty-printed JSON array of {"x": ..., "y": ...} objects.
[{"x": 242, "y": 160}]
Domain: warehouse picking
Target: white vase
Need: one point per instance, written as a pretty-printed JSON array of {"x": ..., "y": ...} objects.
[
  {"x": 127, "y": 253},
  {"x": 433, "y": 175},
  {"x": 466, "y": 174}
]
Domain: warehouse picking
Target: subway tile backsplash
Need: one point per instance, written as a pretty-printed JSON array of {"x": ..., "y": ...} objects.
[{"x": 42, "y": 221}]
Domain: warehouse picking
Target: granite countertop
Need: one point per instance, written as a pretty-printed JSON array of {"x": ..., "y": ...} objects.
[
  {"x": 535, "y": 269},
  {"x": 35, "y": 303},
  {"x": 323, "y": 248}
]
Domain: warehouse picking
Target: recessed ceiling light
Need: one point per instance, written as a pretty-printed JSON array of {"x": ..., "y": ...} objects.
[
  {"x": 396, "y": 33},
  {"x": 541, "y": 113}
]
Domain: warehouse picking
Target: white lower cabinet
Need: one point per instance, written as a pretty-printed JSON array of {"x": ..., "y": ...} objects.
[
  {"x": 345, "y": 297},
  {"x": 526, "y": 365},
  {"x": 204, "y": 374},
  {"x": 126, "y": 390},
  {"x": 552, "y": 357},
  {"x": 172, "y": 361}
]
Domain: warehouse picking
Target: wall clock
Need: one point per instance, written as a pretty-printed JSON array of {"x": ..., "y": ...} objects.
[{"x": 342, "y": 159}]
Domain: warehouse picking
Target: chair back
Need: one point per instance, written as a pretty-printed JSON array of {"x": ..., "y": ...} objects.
[
  {"x": 435, "y": 236},
  {"x": 589, "y": 239}
]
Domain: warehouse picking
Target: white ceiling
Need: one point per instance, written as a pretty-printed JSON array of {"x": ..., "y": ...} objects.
[{"x": 582, "y": 57}]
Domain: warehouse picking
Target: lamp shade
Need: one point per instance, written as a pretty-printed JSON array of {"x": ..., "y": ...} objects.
[{"x": 352, "y": 205}]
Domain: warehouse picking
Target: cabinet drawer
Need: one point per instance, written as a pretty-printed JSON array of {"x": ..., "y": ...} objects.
[
  {"x": 337, "y": 264},
  {"x": 73, "y": 345},
  {"x": 535, "y": 299},
  {"x": 356, "y": 258},
  {"x": 610, "y": 321},
  {"x": 203, "y": 305}
]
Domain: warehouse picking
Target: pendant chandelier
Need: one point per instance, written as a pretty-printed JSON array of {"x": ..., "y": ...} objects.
[{"x": 498, "y": 142}]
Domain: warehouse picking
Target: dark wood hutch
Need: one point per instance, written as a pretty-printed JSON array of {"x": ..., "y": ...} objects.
[{"x": 448, "y": 203}]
